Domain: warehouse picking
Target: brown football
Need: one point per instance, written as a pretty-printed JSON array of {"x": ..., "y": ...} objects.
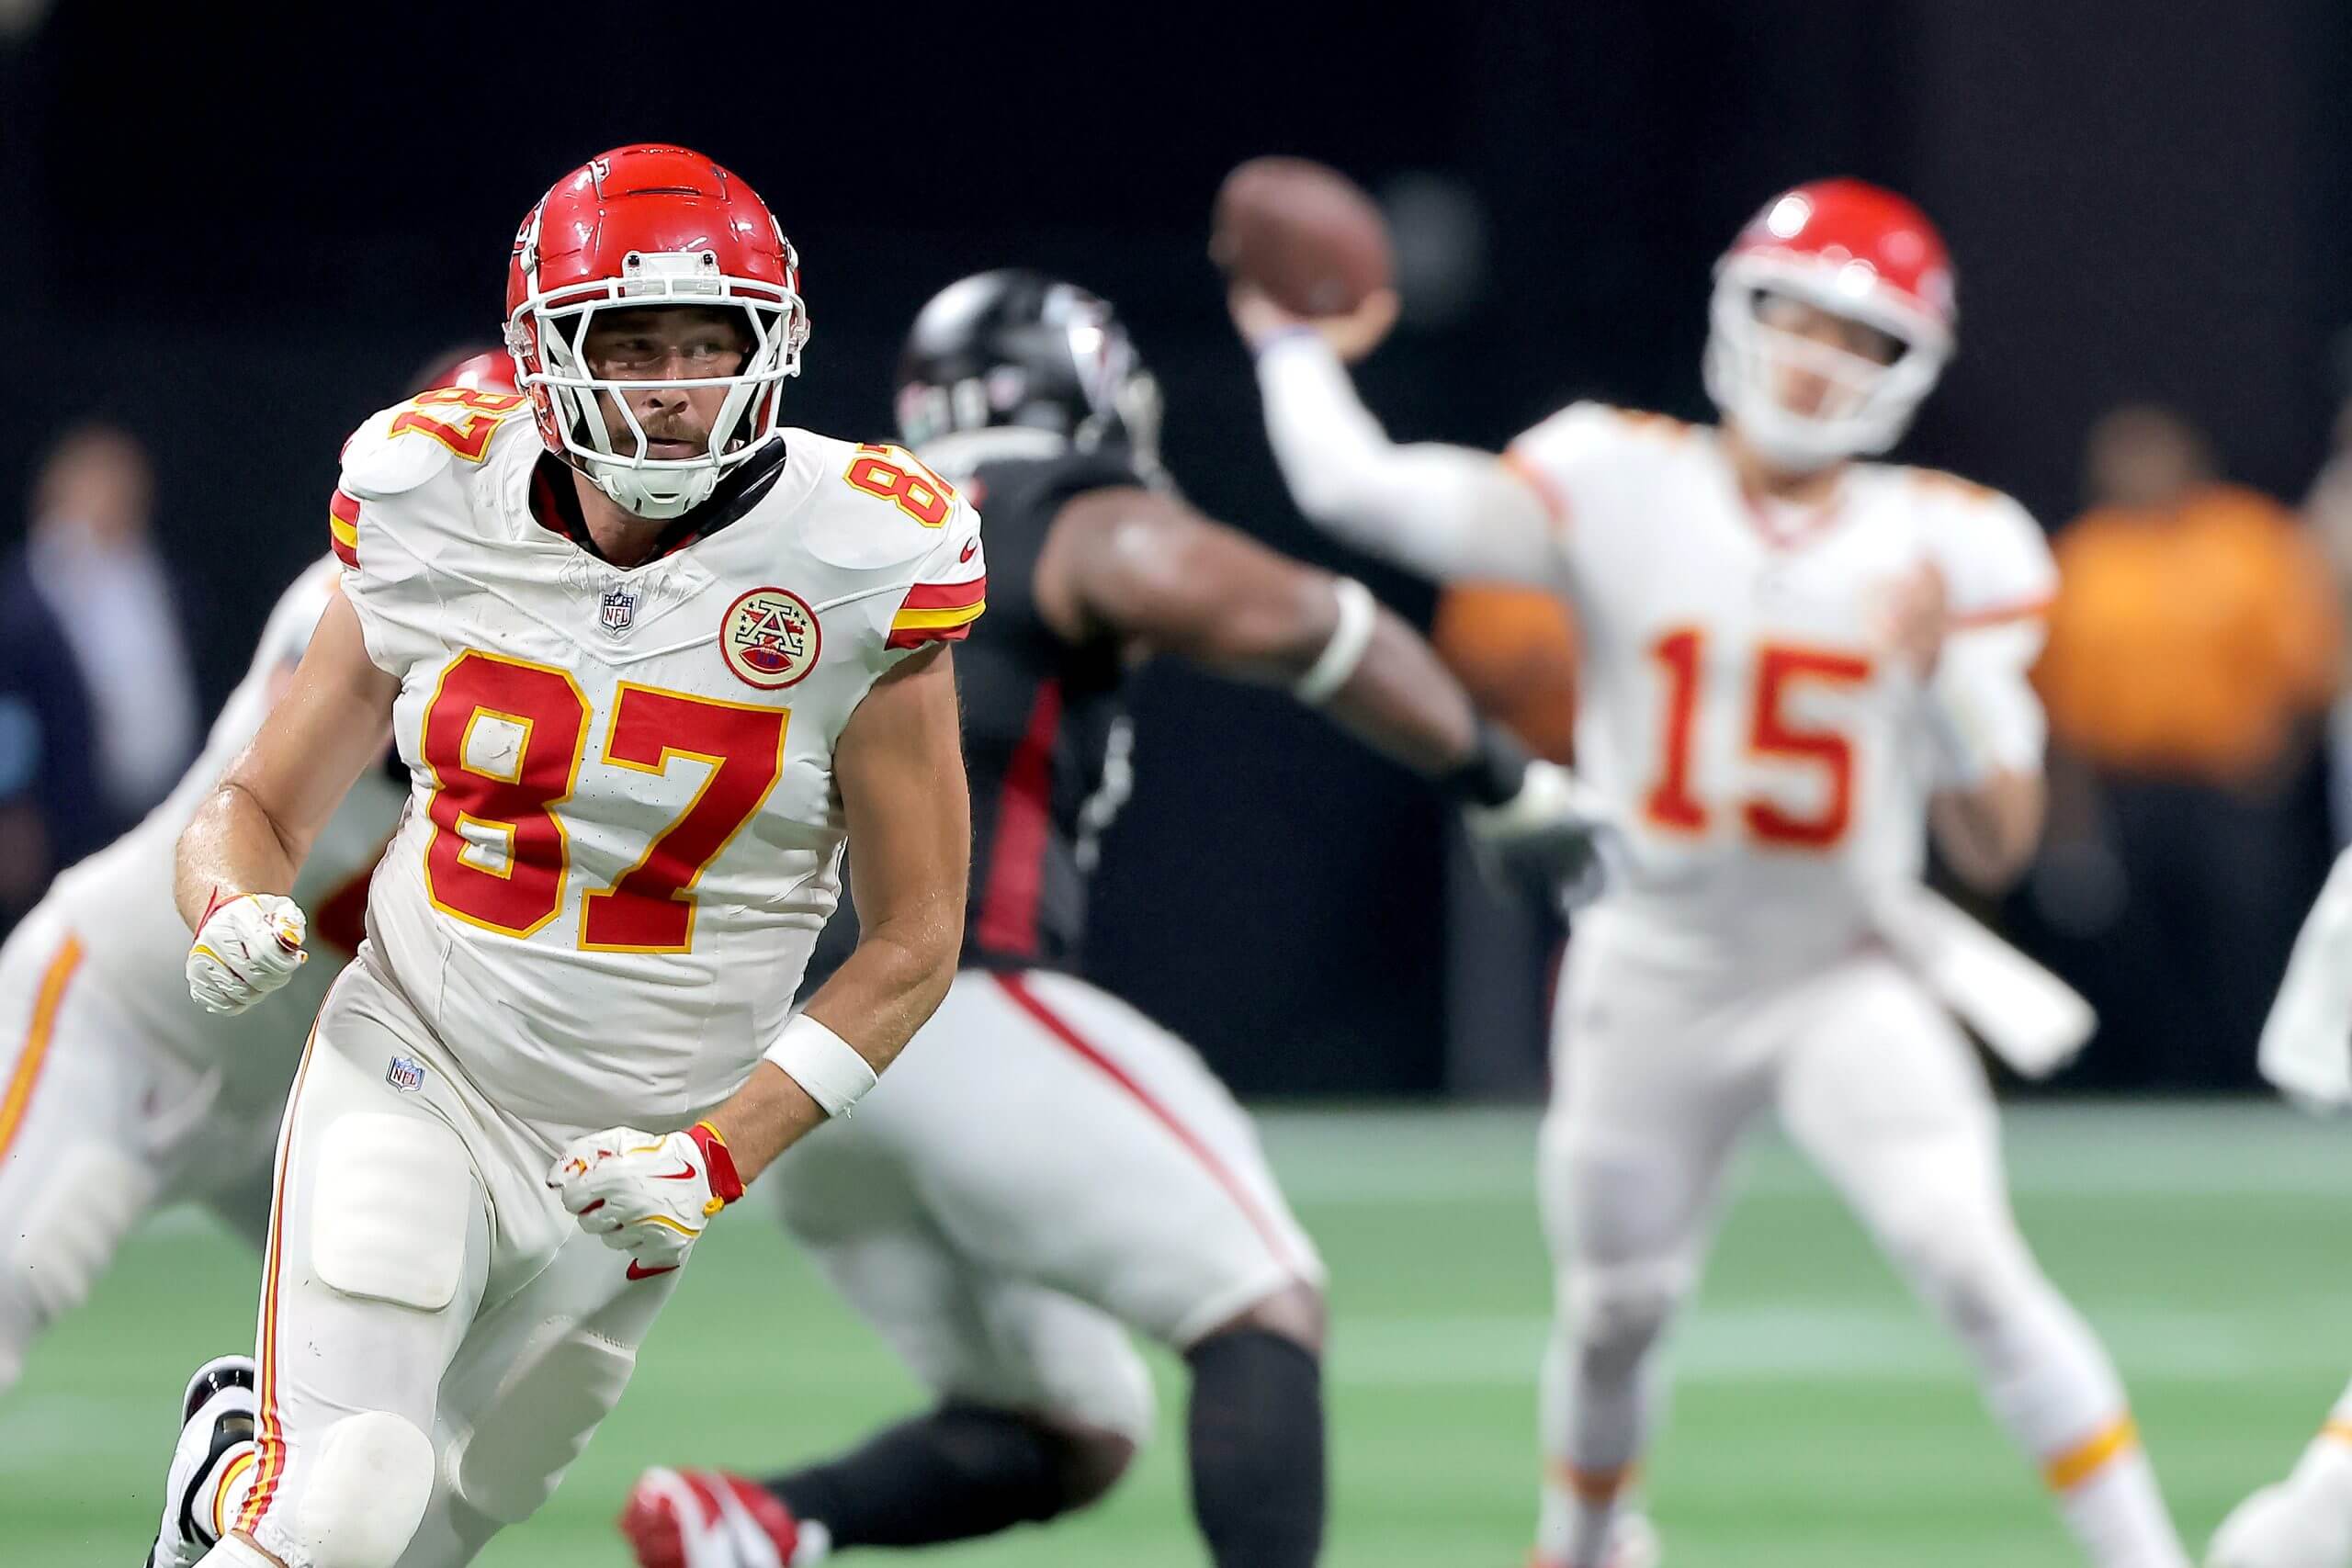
[{"x": 1305, "y": 233}]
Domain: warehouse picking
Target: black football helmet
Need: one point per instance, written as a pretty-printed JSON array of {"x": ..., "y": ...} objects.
[{"x": 1016, "y": 348}]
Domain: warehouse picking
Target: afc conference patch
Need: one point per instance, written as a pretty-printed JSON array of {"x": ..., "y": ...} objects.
[{"x": 770, "y": 638}]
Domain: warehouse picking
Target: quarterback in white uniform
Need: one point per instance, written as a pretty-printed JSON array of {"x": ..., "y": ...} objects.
[
  {"x": 1795, "y": 664},
  {"x": 648, "y": 656}
]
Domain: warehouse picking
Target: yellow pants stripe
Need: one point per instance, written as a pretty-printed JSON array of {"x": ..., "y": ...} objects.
[
  {"x": 46, "y": 1001},
  {"x": 237, "y": 1467},
  {"x": 2078, "y": 1464}
]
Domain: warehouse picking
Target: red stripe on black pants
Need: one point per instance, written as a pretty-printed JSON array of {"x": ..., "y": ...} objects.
[{"x": 1024, "y": 830}]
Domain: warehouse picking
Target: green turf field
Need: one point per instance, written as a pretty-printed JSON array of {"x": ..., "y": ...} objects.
[{"x": 1818, "y": 1422}]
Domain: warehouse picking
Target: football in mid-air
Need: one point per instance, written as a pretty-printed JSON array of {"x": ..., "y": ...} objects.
[{"x": 1305, "y": 233}]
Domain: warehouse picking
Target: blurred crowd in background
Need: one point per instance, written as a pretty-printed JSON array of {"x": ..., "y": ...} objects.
[{"x": 98, "y": 705}]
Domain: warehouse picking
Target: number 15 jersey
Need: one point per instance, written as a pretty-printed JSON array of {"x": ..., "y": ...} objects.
[
  {"x": 622, "y": 834},
  {"x": 1770, "y": 762}
]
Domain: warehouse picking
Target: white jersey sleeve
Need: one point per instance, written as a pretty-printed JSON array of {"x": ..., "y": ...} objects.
[
  {"x": 1997, "y": 564},
  {"x": 1562, "y": 457},
  {"x": 948, "y": 593},
  {"x": 1601, "y": 473},
  {"x": 915, "y": 573},
  {"x": 1999, "y": 579},
  {"x": 1446, "y": 512},
  {"x": 407, "y": 462}
]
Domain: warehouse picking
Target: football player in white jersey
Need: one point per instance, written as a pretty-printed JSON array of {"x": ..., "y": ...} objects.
[
  {"x": 2305, "y": 1520},
  {"x": 1795, "y": 663},
  {"x": 115, "y": 1094},
  {"x": 649, "y": 657}
]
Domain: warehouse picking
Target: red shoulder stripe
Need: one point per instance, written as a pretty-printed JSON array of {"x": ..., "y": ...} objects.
[
  {"x": 915, "y": 636},
  {"x": 343, "y": 527},
  {"x": 946, "y": 596}
]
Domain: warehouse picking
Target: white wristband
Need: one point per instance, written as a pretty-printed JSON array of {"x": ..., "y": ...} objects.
[
  {"x": 1958, "y": 745},
  {"x": 823, "y": 1063},
  {"x": 1350, "y": 635},
  {"x": 1982, "y": 718}
]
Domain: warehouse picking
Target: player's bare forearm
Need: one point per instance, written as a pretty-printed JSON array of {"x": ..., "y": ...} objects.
[
  {"x": 769, "y": 1114},
  {"x": 900, "y": 768},
  {"x": 251, "y": 833},
  {"x": 1404, "y": 703},
  {"x": 1988, "y": 831},
  {"x": 231, "y": 843},
  {"x": 894, "y": 980},
  {"x": 877, "y": 1001},
  {"x": 1148, "y": 569}
]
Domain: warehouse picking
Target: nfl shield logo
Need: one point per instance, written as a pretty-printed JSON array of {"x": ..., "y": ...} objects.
[
  {"x": 620, "y": 610},
  {"x": 405, "y": 1075}
]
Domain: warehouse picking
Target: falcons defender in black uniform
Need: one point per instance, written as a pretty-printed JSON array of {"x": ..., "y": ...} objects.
[{"x": 1046, "y": 1167}]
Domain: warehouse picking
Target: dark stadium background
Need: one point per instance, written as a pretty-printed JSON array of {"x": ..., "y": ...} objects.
[{"x": 238, "y": 230}]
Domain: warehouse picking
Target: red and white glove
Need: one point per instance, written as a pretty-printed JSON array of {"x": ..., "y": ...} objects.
[
  {"x": 707, "y": 1519},
  {"x": 246, "y": 946},
  {"x": 648, "y": 1194}
]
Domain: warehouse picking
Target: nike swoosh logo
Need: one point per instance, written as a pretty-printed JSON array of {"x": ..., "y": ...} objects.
[
  {"x": 969, "y": 552},
  {"x": 683, "y": 1173},
  {"x": 639, "y": 1272}
]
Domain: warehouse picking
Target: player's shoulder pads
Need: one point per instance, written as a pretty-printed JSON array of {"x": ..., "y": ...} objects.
[
  {"x": 381, "y": 460},
  {"x": 878, "y": 507}
]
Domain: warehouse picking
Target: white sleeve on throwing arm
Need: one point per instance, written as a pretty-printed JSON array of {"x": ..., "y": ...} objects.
[
  {"x": 1982, "y": 712},
  {"x": 1437, "y": 511}
]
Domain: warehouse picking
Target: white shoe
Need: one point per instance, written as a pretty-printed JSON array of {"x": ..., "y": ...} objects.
[
  {"x": 1632, "y": 1543},
  {"x": 218, "y": 1415},
  {"x": 2284, "y": 1526}
]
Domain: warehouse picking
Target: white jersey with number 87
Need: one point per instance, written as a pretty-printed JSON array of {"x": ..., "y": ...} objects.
[{"x": 623, "y": 835}]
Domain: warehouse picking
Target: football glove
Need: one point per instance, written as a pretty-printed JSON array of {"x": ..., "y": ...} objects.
[
  {"x": 648, "y": 1194},
  {"x": 246, "y": 946}
]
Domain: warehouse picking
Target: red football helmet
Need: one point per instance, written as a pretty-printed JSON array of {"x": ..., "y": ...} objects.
[
  {"x": 1855, "y": 251},
  {"x": 488, "y": 370},
  {"x": 650, "y": 225}
]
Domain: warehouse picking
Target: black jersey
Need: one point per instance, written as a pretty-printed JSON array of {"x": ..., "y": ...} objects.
[{"x": 1045, "y": 734}]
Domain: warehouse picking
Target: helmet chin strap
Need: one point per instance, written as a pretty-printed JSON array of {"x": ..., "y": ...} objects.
[{"x": 621, "y": 486}]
